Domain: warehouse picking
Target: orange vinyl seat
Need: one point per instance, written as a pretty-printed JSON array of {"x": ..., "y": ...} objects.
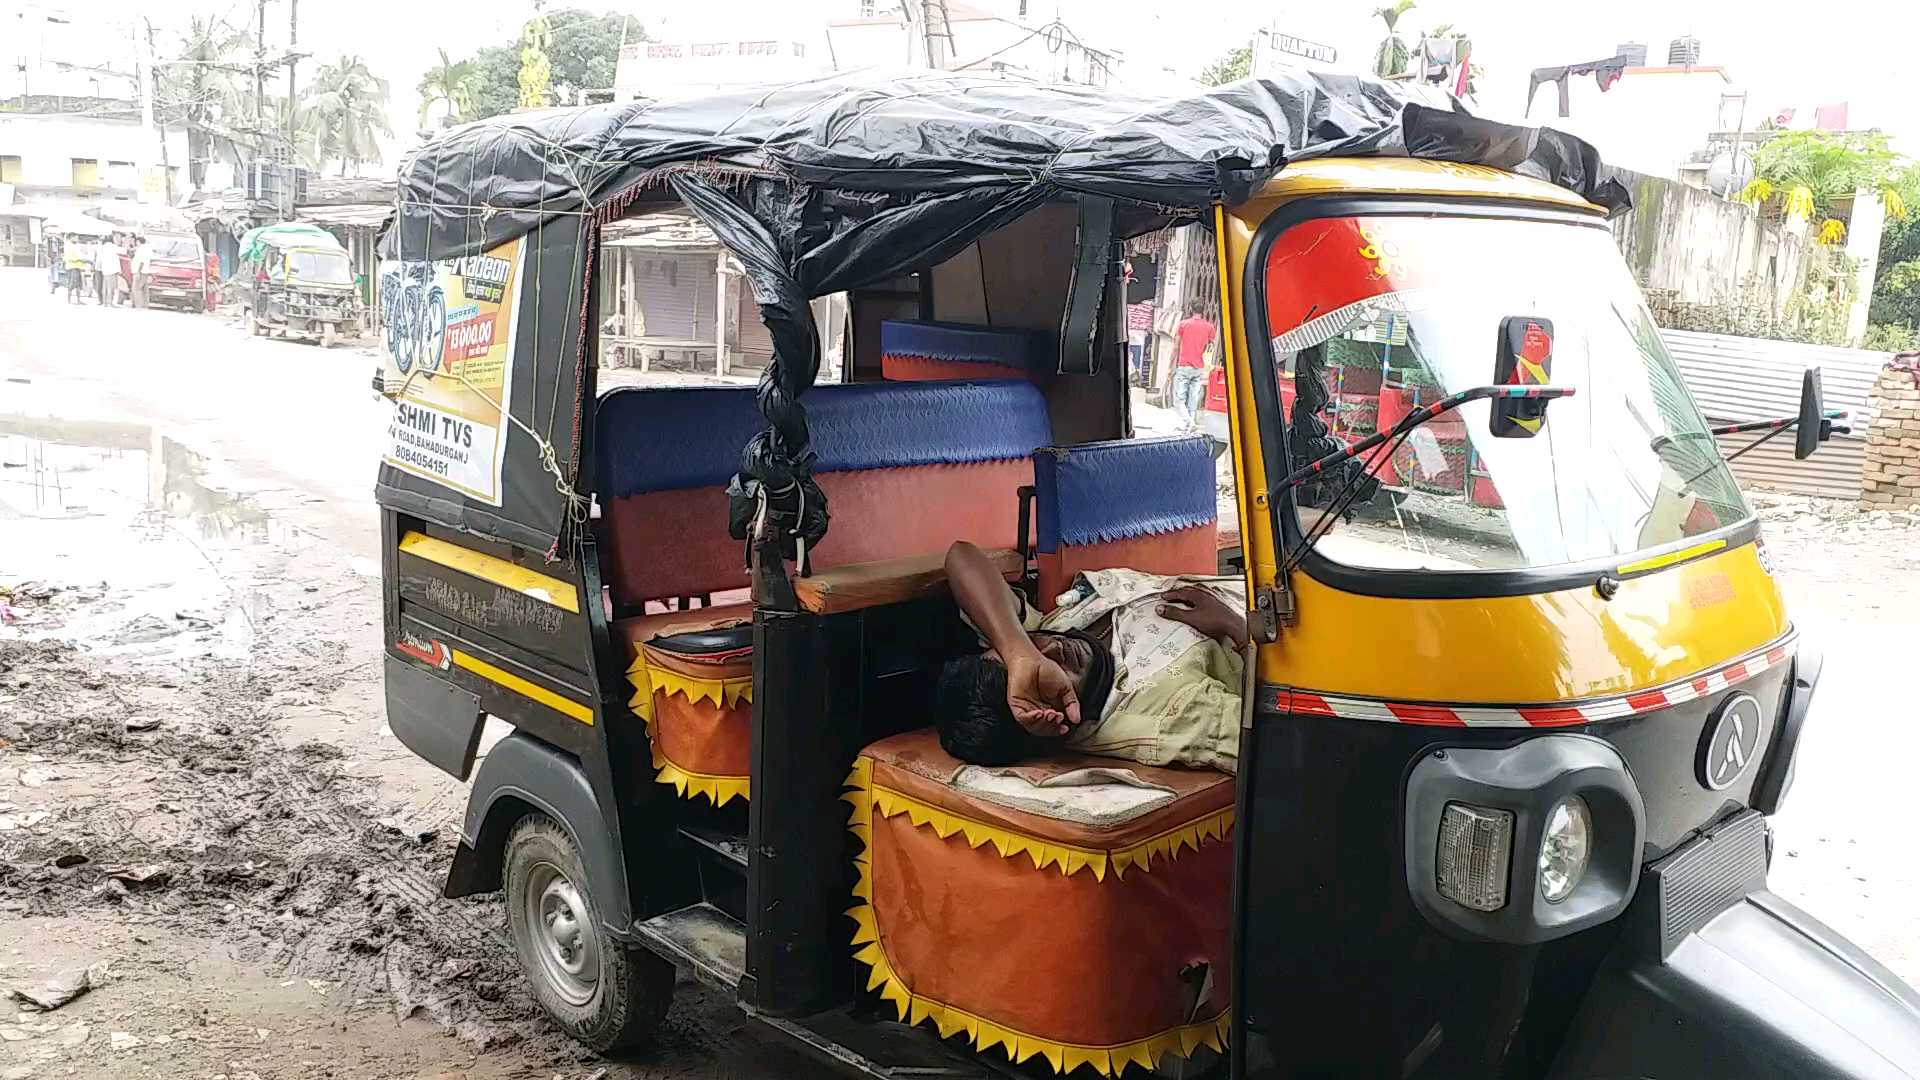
[{"x": 1075, "y": 909}]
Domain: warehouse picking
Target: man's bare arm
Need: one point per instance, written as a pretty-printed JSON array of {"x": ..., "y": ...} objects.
[
  {"x": 982, "y": 593},
  {"x": 1038, "y": 690}
]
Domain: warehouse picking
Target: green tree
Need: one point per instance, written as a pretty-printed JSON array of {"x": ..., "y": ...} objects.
[
  {"x": 1393, "y": 55},
  {"x": 1805, "y": 172},
  {"x": 1233, "y": 64},
  {"x": 341, "y": 115},
  {"x": 451, "y": 82},
  {"x": 582, "y": 51},
  {"x": 201, "y": 92}
]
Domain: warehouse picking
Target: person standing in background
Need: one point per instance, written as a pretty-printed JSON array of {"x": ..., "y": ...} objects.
[
  {"x": 142, "y": 266},
  {"x": 105, "y": 262},
  {"x": 78, "y": 264},
  {"x": 56, "y": 264},
  {"x": 1139, "y": 331},
  {"x": 1191, "y": 339}
]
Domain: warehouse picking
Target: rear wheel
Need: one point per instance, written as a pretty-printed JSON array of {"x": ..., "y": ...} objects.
[
  {"x": 326, "y": 335},
  {"x": 607, "y": 995}
]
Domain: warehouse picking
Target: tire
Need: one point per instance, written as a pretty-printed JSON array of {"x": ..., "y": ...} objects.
[
  {"x": 611, "y": 1009},
  {"x": 326, "y": 335}
]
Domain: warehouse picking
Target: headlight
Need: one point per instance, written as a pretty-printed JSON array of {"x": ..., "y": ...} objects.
[
  {"x": 1525, "y": 842},
  {"x": 1564, "y": 847}
]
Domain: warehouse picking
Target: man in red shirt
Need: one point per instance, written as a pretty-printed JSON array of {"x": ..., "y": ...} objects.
[{"x": 1191, "y": 338}]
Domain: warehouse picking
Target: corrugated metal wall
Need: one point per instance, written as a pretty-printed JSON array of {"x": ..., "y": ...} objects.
[{"x": 1737, "y": 378}]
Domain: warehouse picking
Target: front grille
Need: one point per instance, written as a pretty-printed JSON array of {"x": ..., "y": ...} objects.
[{"x": 1708, "y": 875}]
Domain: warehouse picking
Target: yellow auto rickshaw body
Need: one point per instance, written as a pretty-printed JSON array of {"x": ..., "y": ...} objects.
[{"x": 1676, "y": 613}]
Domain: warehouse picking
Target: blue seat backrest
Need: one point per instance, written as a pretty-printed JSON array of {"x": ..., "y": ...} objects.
[
  {"x": 675, "y": 438},
  {"x": 1103, "y": 492}
]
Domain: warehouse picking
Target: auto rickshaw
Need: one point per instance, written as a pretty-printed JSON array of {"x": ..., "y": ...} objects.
[
  {"x": 1508, "y": 748},
  {"x": 297, "y": 281}
]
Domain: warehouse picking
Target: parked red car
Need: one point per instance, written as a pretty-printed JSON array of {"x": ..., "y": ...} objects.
[{"x": 177, "y": 275}]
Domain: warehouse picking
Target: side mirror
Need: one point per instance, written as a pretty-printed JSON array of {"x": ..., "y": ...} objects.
[
  {"x": 1523, "y": 357},
  {"x": 1810, "y": 430}
]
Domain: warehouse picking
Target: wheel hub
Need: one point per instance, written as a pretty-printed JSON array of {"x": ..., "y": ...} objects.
[{"x": 565, "y": 940}]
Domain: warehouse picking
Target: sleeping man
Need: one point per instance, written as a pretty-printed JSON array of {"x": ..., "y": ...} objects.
[{"x": 1129, "y": 665}]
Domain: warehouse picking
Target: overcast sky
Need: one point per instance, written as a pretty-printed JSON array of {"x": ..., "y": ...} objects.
[{"x": 1800, "y": 55}]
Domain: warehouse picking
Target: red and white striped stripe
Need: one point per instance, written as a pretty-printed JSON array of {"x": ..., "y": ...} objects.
[{"x": 1559, "y": 714}]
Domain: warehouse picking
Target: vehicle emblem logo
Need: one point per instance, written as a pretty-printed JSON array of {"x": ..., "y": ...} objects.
[{"x": 1731, "y": 743}]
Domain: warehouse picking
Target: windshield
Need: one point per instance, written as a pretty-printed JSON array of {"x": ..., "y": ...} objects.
[
  {"x": 1384, "y": 314},
  {"x": 320, "y": 267},
  {"x": 175, "y": 249}
]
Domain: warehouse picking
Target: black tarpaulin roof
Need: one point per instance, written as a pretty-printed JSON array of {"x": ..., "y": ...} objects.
[{"x": 831, "y": 183}]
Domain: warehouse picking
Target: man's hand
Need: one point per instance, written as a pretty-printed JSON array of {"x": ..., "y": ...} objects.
[
  {"x": 1205, "y": 612},
  {"x": 1040, "y": 694}
]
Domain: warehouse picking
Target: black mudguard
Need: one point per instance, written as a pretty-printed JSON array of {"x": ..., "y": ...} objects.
[
  {"x": 1716, "y": 978},
  {"x": 522, "y": 775}
]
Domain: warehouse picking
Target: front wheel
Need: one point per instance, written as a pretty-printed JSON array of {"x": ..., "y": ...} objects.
[
  {"x": 326, "y": 335},
  {"x": 604, "y": 994}
]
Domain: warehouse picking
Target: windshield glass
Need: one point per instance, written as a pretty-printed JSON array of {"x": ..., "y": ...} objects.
[
  {"x": 175, "y": 249},
  {"x": 320, "y": 267},
  {"x": 1385, "y": 314}
]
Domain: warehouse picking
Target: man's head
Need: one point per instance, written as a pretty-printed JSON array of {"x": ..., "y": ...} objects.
[
  {"x": 976, "y": 723},
  {"x": 1195, "y": 309}
]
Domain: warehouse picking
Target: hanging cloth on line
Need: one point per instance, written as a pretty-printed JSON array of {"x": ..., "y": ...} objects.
[{"x": 1605, "y": 72}]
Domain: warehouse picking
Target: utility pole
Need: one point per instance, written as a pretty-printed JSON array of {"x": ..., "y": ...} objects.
[
  {"x": 152, "y": 87},
  {"x": 293, "y": 42},
  {"x": 936, "y": 31},
  {"x": 260, "y": 68}
]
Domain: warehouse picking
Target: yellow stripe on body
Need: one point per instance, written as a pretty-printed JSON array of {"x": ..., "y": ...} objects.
[
  {"x": 1672, "y": 557},
  {"x": 497, "y": 571},
  {"x": 518, "y": 685}
]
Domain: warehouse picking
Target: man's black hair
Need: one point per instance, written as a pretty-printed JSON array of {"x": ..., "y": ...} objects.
[{"x": 971, "y": 713}]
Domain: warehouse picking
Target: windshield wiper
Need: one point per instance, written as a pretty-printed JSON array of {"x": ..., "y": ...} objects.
[{"x": 1413, "y": 420}]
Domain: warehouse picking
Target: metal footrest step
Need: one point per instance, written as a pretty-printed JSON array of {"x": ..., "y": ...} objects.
[{"x": 705, "y": 939}]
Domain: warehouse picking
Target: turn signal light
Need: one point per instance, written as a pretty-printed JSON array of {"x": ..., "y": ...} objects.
[{"x": 1475, "y": 848}]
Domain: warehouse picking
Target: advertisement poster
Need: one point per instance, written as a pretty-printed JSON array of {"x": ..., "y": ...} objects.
[{"x": 449, "y": 349}]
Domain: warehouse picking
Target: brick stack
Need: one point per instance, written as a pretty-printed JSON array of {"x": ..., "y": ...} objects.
[{"x": 1891, "y": 478}]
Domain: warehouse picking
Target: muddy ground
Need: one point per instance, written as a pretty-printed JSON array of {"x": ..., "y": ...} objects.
[{"x": 199, "y": 801}]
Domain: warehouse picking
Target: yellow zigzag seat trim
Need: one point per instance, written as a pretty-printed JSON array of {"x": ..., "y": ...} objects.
[
  {"x": 726, "y": 693},
  {"x": 984, "y": 1034},
  {"x": 1070, "y": 859}
]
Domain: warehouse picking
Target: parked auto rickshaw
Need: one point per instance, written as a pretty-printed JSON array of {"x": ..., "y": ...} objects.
[
  {"x": 297, "y": 281},
  {"x": 1505, "y": 767}
]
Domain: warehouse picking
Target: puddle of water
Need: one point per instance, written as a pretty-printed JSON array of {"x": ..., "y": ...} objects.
[{"x": 144, "y": 552}]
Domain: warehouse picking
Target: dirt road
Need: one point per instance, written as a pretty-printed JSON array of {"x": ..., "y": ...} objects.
[
  {"x": 197, "y": 789},
  {"x": 200, "y": 803}
]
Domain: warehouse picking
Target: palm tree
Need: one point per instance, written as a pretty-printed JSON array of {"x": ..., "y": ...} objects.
[
  {"x": 1393, "y": 55},
  {"x": 342, "y": 113},
  {"x": 206, "y": 98},
  {"x": 451, "y": 82}
]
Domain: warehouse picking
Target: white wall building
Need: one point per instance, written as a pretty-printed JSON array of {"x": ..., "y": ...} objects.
[
  {"x": 88, "y": 158},
  {"x": 1007, "y": 37},
  {"x": 715, "y": 63},
  {"x": 1651, "y": 120}
]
